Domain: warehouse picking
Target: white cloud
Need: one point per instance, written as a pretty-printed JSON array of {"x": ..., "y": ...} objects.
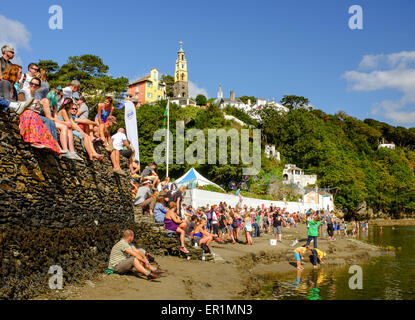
[
  {"x": 194, "y": 90},
  {"x": 395, "y": 71},
  {"x": 14, "y": 34},
  {"x": 393, "y": 60}
]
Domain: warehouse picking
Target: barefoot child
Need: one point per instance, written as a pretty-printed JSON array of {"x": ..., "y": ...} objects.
[
  {"x": 247, "y": 225},
  {"x": 299, "y": 255},
  {"x": 317, "y": 256}
]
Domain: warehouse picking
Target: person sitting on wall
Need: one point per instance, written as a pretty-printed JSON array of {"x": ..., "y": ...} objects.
[
  {"x": 160, "y": 210},
  {"x": 144, "y": 196},
  {"x": 119, "y": 141},
  {"x": 149, "y": 173},
  {"x": 136, "y": 169},
  {"x": 172, "y": 222},
  {"x": 124, "y": 257},
  {"x": 111, "y": 121}
]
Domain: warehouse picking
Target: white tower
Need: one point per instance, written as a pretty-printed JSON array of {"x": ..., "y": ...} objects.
[{"x": 220, "y": 93}]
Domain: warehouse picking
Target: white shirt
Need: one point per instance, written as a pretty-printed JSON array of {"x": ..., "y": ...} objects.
[
  {"x": 26, "y": 82},
  {"x": 117, "y": 140},
  {"x": 68, "y": 93}
]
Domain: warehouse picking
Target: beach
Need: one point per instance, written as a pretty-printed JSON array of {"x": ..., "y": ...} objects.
[{"x": 234, "y": 274}]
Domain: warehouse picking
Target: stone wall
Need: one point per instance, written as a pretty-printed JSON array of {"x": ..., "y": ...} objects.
[
  {"x": 55, "y": 212},
  {"x": 60, "y": 212}
]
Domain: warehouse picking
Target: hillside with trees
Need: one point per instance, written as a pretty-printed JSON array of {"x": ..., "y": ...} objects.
[{"x": 341, "y": 150}]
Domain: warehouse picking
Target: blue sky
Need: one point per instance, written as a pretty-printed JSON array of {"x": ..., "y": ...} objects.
[{"x": 260, "y": 48}]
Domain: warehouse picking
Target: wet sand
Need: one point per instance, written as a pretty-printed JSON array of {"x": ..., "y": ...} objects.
[
  {"x": 391, "y": 222},
  {"x": 233, "y": 274}
]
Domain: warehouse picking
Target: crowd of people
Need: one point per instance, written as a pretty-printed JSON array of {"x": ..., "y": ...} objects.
[
  {"x": 225, "y": 224},
  {"x": 51, "y": 118}
]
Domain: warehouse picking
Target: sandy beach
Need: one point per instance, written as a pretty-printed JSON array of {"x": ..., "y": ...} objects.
[{"x": 233, "y": 274}]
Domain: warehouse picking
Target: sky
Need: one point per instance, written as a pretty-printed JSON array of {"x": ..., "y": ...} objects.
[{"x": 259, "y": 48}]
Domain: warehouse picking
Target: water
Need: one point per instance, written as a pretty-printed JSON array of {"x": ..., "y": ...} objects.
[{"x": 388, "y": 277}]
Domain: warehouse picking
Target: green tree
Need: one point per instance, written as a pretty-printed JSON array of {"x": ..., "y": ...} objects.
[
  {"x": 245, "y": 99},
  {"x": 169, "y": 80},
  {"x": 51, "y": 68},
  {"x": 294, "y": 102},
  {"x": 201, "y": 100}
]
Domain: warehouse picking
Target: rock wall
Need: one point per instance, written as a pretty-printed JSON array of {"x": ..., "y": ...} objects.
[
  {"x": 55, "y": 212},
  {"x": 60, "y": 212}
]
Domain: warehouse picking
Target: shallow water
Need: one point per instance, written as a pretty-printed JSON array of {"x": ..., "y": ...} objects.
[{"x": 388, "y": 277}]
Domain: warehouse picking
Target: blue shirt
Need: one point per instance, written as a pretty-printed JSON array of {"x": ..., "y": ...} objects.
[{"x": 159, "y": 212}]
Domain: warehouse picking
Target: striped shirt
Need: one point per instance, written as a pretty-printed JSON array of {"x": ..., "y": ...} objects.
[{"x": 118, "y": 253}]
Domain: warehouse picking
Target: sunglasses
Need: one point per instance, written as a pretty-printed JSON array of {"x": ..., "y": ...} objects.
[
  {"x": 76, "y": 109},
  {"x": 36, "y": 69},
  {"x": 34, "y": 85}
]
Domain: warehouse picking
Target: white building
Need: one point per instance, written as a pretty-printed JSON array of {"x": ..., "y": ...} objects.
[
  {"x": 293, "y": 174},
  {"x": 270, "y": 152},
  {"x": 183, "y": 102},
  {"x": 384, "y": 144},
  {"x": 262, "y": 102},
  {"x": 232, "y": 101}
]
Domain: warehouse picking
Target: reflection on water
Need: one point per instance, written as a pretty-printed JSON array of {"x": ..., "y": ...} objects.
[{"x": 388, "y": 277}]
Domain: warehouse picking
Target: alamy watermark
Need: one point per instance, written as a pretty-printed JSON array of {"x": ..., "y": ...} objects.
[
  {"x": 356, "y": 20},
  {"x": 356, "y": 281},
  {"x": 56, "y": 280},
  {"x": 196, "y": 151},
  {"x": 56, "y": 20}
]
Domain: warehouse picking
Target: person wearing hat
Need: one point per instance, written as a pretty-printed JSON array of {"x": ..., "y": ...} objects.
[{"x": 144, "y": 196}]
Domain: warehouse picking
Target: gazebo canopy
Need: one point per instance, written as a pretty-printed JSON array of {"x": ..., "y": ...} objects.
[{"x": 192, "y": 179}]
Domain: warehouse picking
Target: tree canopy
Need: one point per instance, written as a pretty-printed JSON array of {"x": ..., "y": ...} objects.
[
  {"x": 91, "y": 71},
  {"x": 294, "y": 102},
  {"x": 201, "y": 100}
]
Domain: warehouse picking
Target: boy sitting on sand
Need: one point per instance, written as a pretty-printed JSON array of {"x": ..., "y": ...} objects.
[{"x": 299, "y": 255}]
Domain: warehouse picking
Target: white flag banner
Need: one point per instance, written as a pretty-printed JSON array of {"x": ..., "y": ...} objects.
[{"x": 131, "y": 127}]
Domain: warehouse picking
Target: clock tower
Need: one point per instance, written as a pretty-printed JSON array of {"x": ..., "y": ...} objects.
[{"x": 181, "y": 84}]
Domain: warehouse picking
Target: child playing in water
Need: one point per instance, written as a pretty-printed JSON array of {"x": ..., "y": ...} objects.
[
  {"x": 299, "y": 255},
  {"x": 317, "y": 256}
]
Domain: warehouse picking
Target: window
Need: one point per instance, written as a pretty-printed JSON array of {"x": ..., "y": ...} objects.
[{"x": 155, "y": 76}]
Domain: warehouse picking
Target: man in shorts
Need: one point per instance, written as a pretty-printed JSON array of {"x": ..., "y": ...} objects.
[
  {"x": 277, "y": 226},
  {"x": 124, "y": 256},
  {"x": 149, "y": 173},
  {"x": 119, "y": 141}
]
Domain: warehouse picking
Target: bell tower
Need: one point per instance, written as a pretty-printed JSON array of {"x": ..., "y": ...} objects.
[{"x": 181, "y": 84}]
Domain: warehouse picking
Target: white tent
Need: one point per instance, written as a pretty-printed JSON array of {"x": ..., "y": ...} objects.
[{"x": 192, "y": 179}]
